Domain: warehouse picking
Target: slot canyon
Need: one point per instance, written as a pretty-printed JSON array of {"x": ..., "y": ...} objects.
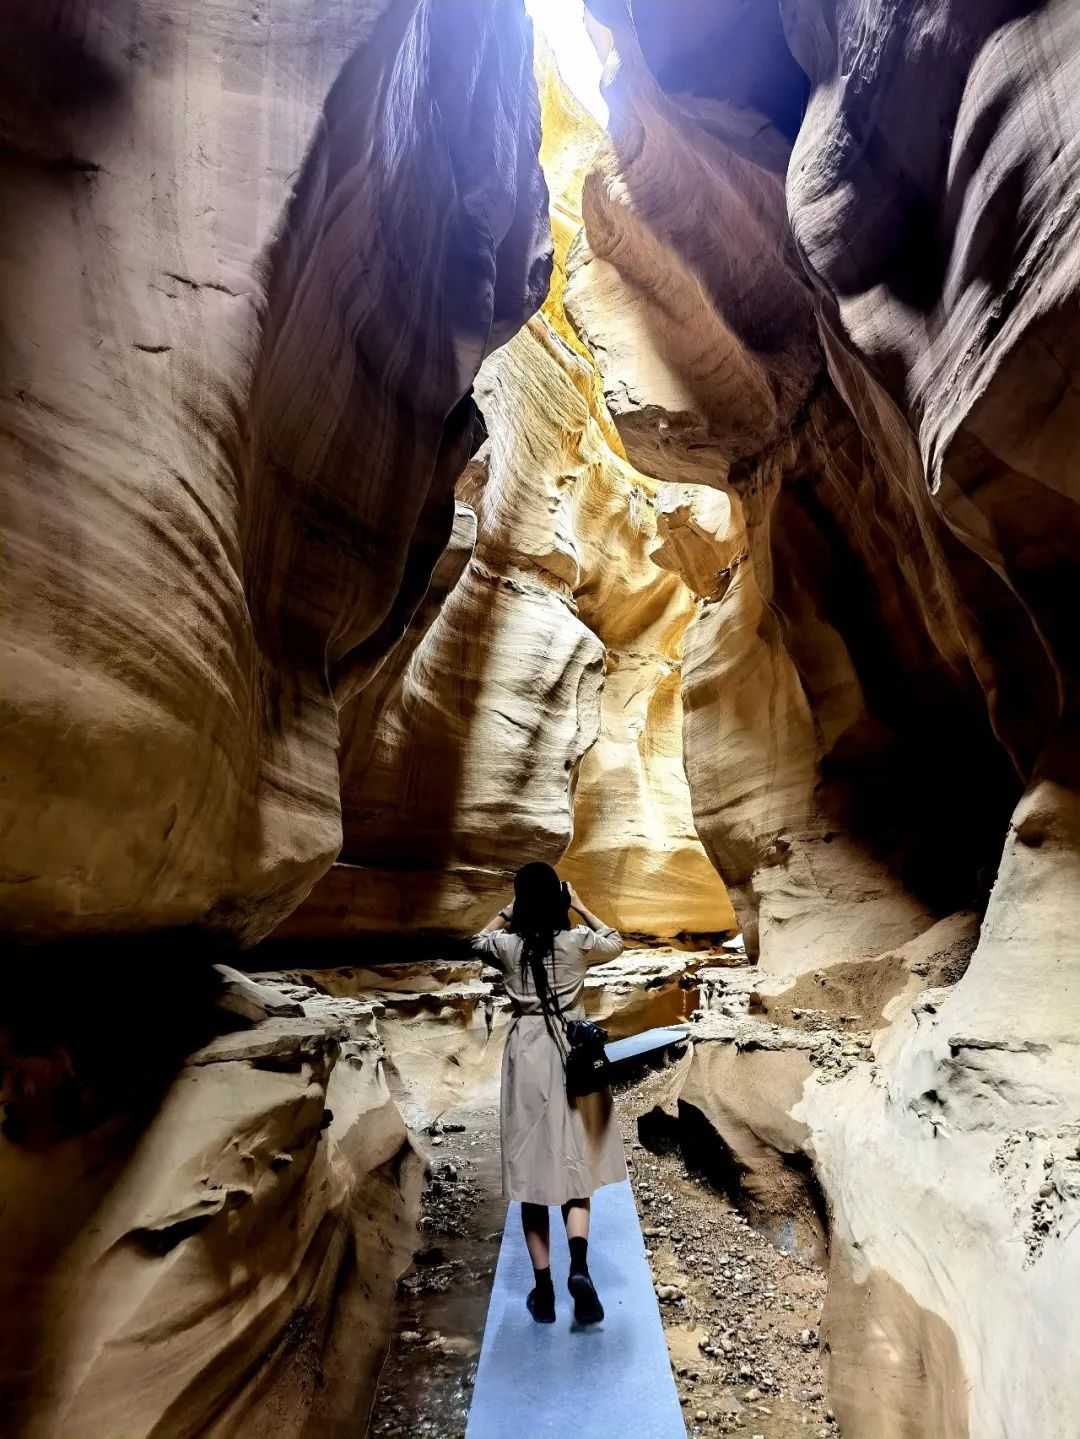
[{"x": 412, "y": 471}]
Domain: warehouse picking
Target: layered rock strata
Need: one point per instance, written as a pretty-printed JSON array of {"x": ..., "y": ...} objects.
[
  {"x": 209, "y": 1251},
  {"x": 251, "y": 265},
  {"x": 539, "y": 713},
  {"x": 832, "y": 609},
  {"x": 830, "y": 274},
  {"x": 443, "y": 1024}
]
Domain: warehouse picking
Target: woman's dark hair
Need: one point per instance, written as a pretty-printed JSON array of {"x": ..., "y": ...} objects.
[{"x": 541, "y": 910}]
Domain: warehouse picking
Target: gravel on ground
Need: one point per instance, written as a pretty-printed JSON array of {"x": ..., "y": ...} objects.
[{"x": 741, "y": 1319}]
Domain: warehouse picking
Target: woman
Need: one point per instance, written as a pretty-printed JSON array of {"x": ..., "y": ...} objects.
[{"x": 554, "y": 1150}]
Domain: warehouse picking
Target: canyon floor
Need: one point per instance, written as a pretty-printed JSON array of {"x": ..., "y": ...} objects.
[{"x": 741, "y": 1318}]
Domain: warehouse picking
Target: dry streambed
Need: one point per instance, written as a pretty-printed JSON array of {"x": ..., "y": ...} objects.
[
  {"x": 425, "y": 1387},
  {"x": 741, "y": 1318}
]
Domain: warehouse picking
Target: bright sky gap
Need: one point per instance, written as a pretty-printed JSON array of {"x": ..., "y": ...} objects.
[{"x": 562, "y": 24}]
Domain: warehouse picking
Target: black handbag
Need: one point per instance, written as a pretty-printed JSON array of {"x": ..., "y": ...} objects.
[
  {"x": 588, "y": 1069},
  {"x": 585, "y": 1061}
]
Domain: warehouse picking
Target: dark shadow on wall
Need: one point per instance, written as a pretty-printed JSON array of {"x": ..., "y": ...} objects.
[
  {"x": 403, "y": 751},
  {"x": 789, "y": 1206},
  {"x": 92, "y": 1034},
  {"x": 922, "y": 780},
  {"x": 413, "y": 244}
]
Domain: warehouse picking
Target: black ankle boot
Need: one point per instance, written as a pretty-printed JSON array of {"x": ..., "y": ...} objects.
[
  {"x": 541, "y": 1301},
  {"x": 587, "y": 1306}
]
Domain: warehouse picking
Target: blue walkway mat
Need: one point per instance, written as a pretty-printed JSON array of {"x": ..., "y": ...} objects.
[
  {"x": 555, "y": 1381},
  {"x": 646, "y": 1043}
]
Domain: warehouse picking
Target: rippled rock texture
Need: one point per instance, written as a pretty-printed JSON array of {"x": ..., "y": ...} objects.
[
  {"x": 252, "y": 260},
  {"x": 786, "y": 462},
  {"x": 830, "y": 274},
  {"x": 202, "y": 1231},
  {"x": 538, "y": 713}
]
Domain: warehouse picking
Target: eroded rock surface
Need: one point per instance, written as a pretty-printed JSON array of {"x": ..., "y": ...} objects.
[
  {"x": 444, "y": 1024},
  {"x": 240, "y": 331},
  {"x": 787, "y": 461},
  {"x": 539, "y": 713},
  {"x": 211, "y": 1249},
  {"x": 832, "y": 610},
  {"x": 838, "y": 287}
]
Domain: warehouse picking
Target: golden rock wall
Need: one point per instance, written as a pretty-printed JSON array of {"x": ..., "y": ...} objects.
[
  {"x": 233, "y": 415},
  {"x": 540, "y": 715},
  {"x": 830, "y": 274}
]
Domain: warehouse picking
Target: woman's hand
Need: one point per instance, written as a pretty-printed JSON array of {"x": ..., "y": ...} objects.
[{"x": 577, "y": 903}]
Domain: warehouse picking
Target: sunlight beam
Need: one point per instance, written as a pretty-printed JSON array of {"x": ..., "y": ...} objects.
[{"x": 562, "y": 24}]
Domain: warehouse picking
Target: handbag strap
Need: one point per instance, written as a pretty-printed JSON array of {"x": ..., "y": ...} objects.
[{"x": 549, "y": 1000}]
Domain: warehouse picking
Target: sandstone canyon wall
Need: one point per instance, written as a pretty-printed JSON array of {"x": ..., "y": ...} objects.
[
  {"x": 786, "y": 461},
  {"x": 202, "y": 1231},
  {"x": 833, "y": 618},
  {"x": 830, "y": 274},
  {"x": 235, "y": 407},
  {"x": 536, "y": 711},
  {"x": 252, "y": 259}
]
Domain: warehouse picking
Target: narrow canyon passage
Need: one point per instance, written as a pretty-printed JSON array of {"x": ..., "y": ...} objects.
[{"x": 639, "y": 436}]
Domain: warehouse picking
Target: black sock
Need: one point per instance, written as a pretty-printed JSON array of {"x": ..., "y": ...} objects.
[
  {"x": 544, "y": 1286},
  {"x": 579, "y": 1256}
]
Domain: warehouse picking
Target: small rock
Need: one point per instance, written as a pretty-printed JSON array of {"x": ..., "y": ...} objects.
[
  {"x": 411, "y": 1336},
  {"x": 701, "y": 1417}
]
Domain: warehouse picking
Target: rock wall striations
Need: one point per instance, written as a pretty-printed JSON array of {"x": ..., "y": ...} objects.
[
  {"x": 252, "y": 258},
  {"x": 829, "y": 277},
  {"x": 235, "y": 407},
  {"x": 348, "y": 515},
  {"x": 538, "y": 715},
  {"x": 833, "y": 616},
  {"x": 208, "y": 1201}
]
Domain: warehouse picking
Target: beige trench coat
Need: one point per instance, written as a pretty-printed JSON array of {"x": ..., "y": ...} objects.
[{"x": 552, "y": 1149}]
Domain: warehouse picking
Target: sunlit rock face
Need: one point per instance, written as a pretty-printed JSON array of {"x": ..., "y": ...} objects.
[
  {"x": 234, "y": 414},
  {"x": 854, "y": 279},
  {"x": 539, "y": 713},
  {"x": 833, "y": 615}
]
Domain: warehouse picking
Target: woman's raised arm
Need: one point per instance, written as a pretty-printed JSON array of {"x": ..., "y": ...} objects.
[{"x": 606, "y": 942}]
